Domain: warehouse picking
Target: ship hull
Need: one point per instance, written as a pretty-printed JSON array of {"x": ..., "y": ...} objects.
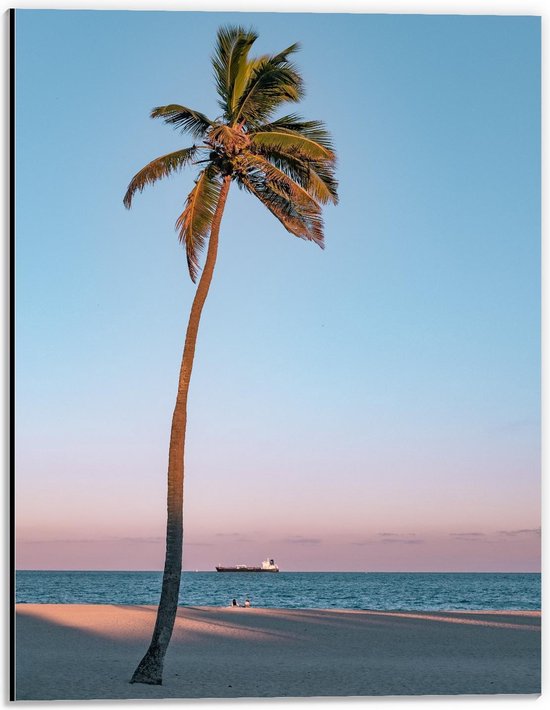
[{"x": 244, "y": 569}]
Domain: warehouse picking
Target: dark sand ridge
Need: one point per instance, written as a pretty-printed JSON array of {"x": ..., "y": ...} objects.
[{"x": 70, "y": 651}]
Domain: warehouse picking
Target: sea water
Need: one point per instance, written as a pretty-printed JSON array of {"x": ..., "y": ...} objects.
[{"x": 290, "y": 590}]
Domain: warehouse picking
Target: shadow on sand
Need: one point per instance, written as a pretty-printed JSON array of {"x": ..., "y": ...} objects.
[{"x": 89, "y": 651}]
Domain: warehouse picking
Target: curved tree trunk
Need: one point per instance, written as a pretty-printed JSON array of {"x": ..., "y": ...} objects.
[{"x": 150, "y": 668}]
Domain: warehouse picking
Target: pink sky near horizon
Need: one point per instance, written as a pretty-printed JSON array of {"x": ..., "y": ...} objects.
[
  {"x": 348, "y": 522},
  {"x": 462, "y": 549},
  {"x": 502, "y": 551},
  {"x": 445, "y": 511}
]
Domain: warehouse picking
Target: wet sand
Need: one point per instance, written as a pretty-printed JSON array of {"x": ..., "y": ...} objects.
[{"x": 77, "y": 651}]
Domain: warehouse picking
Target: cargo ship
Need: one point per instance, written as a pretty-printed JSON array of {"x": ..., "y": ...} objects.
[{"x": 267, "y": 566}]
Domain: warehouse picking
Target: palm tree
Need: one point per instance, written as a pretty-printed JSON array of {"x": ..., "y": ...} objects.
[{"x": 288, "y": 164}]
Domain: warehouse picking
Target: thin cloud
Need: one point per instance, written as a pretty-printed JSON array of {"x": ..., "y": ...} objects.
[
  {"x": 399, "y": 538},
  {"x": 476, "y": 537},
  {"x": 299, "y": 540},
  {"x": 197, "y": 544},
  {"x": 391, "y": 538},
  {"x": 235, "y": 537},
  {"x": 56, "y": 542},
  {"x": 100, "y": 540},
  {"x": 523, "y": 531}
]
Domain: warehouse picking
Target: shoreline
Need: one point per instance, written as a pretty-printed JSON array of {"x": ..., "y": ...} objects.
[{"x": 88, "y": 651}]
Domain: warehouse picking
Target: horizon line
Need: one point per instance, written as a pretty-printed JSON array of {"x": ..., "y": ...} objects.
[{"x": 373, "y": 571}]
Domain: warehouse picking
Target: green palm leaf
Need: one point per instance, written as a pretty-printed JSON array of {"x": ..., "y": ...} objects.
[
  {"x": 157, "y": 169},
  {"x": 230, "y": 64},
  {"x": 184, "y": 118},
  {"x": 193, "y": 225},
  {"x": 315, "y": 176},
  {"x": 280, "y": 182},
  {"x": 285, "y": 198},
  {"x": 300, "y": 222},
  {"x": 294, "y": 124},
  {"x": 288, "y": 162},
  {"x": 321, "y": 182},
  {"x": 289, "y": 141},
  {"x": 273, "y": 81}
]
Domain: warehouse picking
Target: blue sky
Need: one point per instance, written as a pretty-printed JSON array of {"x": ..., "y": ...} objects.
[{"x": 389, "y": 384}]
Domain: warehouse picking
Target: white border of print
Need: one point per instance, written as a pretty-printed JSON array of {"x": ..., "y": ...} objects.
[{"x": 479, "y": 7}]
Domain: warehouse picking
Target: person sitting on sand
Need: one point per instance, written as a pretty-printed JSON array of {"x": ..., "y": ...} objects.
[
  {"x": 234, "y": 603},
  {"x": 247, "y": 602}
]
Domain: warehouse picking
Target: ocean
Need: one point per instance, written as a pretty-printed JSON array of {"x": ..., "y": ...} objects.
[{"x": 291, "y": 590}]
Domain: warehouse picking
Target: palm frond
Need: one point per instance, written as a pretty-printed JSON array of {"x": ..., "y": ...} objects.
[
  {"x": 293, "y": 164},
  {"x": 294, "y": 124},
  {"x": 321, "y": 182},
  {"x": 193, "y": 225},
  {"x": 277, "y": 180},
  {"x": 300, "y": 222},
  {"x": 230, "y": 62},
  {"x": 273, "y": 81},
  {"x": 157, "y": 169},
  {"x": 303, "y": 149},
  {"x": 286, "y": 199},
  {"x": 288, "y": 141},
  {"x": 194, "y": 122},
  {"x": 315, "y": 176},
  {"x": 287, "y": 163}
]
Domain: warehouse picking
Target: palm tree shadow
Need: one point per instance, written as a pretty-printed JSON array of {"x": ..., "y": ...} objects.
[
  {"x": 54, "y": 661},
  {"x": 228, "y": 653}
]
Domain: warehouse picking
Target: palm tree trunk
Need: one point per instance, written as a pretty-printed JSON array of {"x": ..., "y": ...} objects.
[{"x": 150, "y": 668}]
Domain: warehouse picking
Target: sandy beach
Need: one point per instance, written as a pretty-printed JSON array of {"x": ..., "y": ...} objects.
[{"x": 66, "y": 651}]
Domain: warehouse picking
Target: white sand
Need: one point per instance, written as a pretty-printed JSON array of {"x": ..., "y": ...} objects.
[{"x": 66, "y": 651}]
